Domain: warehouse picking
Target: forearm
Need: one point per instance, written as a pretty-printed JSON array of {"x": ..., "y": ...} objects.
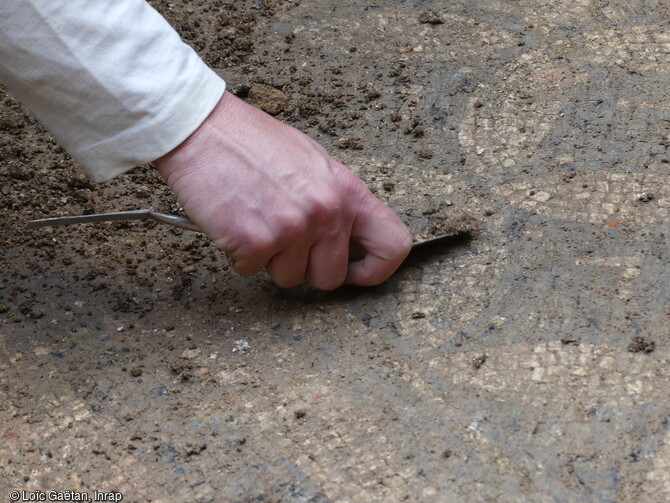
[{"x": 84, "y": 69}]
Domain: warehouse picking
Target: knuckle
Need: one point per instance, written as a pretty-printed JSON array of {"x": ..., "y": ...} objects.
[
  {"x": 286, "y": 282},
  {"x": 326, "y": 208},
  {"x": 244, "y": 269},
  {"x": 285, "y": 271},
  {"x": 328, "y": 284},
  {"x": 293, "y": 225},
  {"x": 242, "y": 266},
  {"x": 248, "y": 252},
  {"x": 354, "y": 185},
  {"x": 329, "y": 275},
  {"x": 257, "y": 243}
]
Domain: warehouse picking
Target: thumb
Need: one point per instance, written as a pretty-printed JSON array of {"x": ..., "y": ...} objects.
[{"x": 386, "y": 242}]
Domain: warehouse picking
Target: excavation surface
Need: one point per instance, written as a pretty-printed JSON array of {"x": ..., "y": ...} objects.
[{"x": 529, "y": 363}]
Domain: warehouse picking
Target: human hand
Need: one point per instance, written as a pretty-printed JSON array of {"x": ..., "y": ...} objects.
[{"x": 272, "y": 198}]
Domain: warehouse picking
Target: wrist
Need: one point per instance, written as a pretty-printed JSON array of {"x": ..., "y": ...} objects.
[{"x": 179, "y": 158}]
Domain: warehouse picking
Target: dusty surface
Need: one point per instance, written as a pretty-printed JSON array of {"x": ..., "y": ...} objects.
[{"x": 530, "y": 364}]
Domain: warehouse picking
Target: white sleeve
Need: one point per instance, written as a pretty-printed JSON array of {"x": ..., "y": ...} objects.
[{"x": 110, "y": 79}]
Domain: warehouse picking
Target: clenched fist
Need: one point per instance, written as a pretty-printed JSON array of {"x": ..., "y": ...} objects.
[{"x": 272, "y": 198}]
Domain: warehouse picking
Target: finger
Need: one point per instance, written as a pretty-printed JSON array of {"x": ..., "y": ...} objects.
[
  {"x": 252, "y": 257},
  {"x": 356, "y": 250},
  {"x": 246, "y": 265},
  {"x": 328, "y": 262},
  {"x": 386, "y": 241},
  {"x": 288, "y": 269}
]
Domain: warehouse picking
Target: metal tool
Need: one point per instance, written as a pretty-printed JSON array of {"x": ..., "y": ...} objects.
[
  {"x": 175, "y": 220},
  {"x": 186, "y": 223}
]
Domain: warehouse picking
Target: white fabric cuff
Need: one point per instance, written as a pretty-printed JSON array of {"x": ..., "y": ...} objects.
[{"x": 148, "y": 141}]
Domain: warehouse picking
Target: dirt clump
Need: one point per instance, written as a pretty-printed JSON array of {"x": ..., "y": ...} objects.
[
  {"x": 182, "y": 367},
  {"x": 641, "y": 344},
  {"x": 450, "y": 224},
  {"x": 350, "y": 142},
  {"x": 430, "y": 17},
  {"x": 268, "y": 98}
]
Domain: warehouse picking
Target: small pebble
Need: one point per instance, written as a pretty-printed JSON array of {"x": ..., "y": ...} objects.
[
  {"x": 143, "y": 192},
  {"x": 189, "y": 354},
  {"x": 241, "y": 346},
  {"x": 478, "y": 361},
  {"x": 430, "y": 17}
]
